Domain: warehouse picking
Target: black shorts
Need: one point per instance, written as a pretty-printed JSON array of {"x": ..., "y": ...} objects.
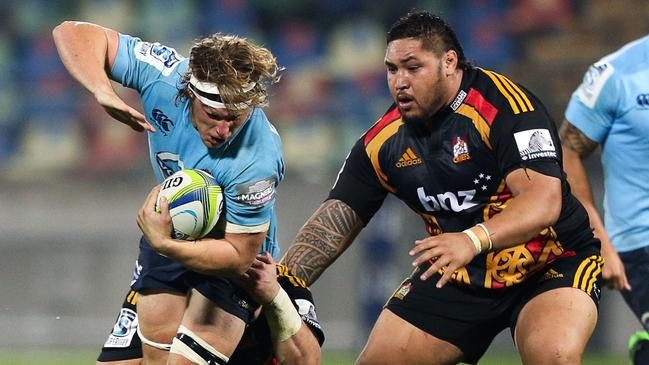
[
  {"x": 636, "y": 266},
  {"x": 470, "y": 318},
  {"x": 155, "y": 271},
  {"x": 123, "y": 343},
  {"x": 255, "y": 346}
]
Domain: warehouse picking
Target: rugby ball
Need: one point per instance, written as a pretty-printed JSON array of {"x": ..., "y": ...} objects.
[{"x": 195, "y": 203}]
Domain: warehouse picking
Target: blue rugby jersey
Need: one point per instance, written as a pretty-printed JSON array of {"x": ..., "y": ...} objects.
[
  {"x": 611, "y": 106},
  {"x": 248, "y": 166}
]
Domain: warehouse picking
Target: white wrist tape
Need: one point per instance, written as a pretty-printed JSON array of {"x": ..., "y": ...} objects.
[
  {"x": 474, "y": 239},
  {"x": 283, "y": 319},
  {"x": 486, "y": 231}
]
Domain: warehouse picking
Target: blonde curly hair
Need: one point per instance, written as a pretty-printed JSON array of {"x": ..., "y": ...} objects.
[{"x": 234, "y": 64}]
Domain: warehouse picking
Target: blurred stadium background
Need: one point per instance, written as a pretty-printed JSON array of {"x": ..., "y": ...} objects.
[{"x": 73, "y": 178}]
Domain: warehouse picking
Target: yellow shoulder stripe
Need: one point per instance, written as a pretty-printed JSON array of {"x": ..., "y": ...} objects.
[
  {"x": 478, "y": 122},
  {"x": 372, "y": 149},
  {"x": 517, "y": 99}
]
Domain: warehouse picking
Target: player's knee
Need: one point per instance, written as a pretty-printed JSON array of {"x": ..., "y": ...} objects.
[
  {"x": 160, "y": 340},
  {"x": 193, "y": 348},
  {"x": 553, "y": 351}
]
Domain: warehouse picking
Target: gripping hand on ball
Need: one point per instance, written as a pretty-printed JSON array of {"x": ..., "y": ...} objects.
[
  {"x": 155, "y": 224},
  {"x": 118, "y": 109}
]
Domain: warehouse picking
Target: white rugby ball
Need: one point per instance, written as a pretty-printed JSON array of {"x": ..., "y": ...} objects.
[{"x": 195, "y": 203}]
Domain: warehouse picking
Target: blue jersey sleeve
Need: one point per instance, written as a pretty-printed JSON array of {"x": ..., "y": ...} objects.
[
  {"x": 251, "y": 180},
  {"x": 593, "y": 105},
  {"x": 138, "y": 64},
  {"x": 250, "y": 199}
]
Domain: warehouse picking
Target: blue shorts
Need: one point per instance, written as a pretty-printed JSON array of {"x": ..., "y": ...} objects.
[
  {"x": 155, "y": 271},
  {"x": 636, "y": 266}
]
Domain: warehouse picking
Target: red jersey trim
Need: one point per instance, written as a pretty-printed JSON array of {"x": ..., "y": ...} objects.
[
  {"x": 479, "y": 103},
  {"x": 380, "y": 124}
]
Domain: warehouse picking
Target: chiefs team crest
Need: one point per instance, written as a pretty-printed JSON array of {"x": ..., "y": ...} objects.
[{"x": 460, "y": 149}]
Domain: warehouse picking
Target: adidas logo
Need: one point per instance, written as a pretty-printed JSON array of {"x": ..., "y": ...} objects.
[
  {"x": 408, "y": 159},
  {"x": 551, "y": 274}
]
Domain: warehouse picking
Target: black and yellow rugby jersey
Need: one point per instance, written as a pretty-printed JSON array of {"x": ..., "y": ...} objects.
[{"x": 452, "y": 173}]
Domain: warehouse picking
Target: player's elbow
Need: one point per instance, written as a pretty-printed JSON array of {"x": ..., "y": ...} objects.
[
  {"x": 242, "y": 262},
  {"x": 65, "y": 27},
  {"x": 60, "y": 30}
]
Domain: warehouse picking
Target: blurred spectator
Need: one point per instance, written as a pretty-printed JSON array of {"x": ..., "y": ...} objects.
[
  {"x": 534, "y": 16},
  {"x": 482, "y": 28},
  {"x": 228, "y": 16}
]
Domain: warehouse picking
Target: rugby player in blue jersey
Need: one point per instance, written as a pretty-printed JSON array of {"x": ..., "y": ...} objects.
[
  {"x": 261, "y": 343},
  {"x": 202, "y": 112},
  {"x": 611, "y": 108}
]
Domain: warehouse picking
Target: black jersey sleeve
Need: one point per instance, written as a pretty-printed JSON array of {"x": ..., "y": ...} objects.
[
  {"x": 303, "y": 302},
  {"x": 527, "y": 139},
  {"x": 357, "y": 184}
]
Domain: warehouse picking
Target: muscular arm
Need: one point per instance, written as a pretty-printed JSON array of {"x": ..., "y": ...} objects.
[
  {"x": 326, "y": 235},
  {"x": 230, "y": 256},
  {"x": 535, "y": 206},
  {"x": 300, "y": 349},
  {"x": 261, "y": 282},
  {"x": 88, "y": 52},
  {"x": 576, "y": 147}
]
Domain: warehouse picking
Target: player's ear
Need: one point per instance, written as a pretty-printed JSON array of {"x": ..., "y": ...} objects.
[{"x": 449, "y": 62}]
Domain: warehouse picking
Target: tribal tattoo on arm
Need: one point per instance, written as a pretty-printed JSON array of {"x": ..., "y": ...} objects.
[
  {"x": 575, "y": 140},
  {"x": 327, "y": 234}
]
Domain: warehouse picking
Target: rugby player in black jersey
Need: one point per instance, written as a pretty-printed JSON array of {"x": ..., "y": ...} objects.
[{"x": 478, "y": 157}]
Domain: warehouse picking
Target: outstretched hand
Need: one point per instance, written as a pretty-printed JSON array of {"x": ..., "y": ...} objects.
[
  {"x": 118, "y": 109},
  {"x": 156, "y": 226},
  {"x": 450, "y": 250}
]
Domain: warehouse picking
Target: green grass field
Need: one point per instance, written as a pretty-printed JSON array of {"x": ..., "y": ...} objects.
[{"x": 83, "y": 357}]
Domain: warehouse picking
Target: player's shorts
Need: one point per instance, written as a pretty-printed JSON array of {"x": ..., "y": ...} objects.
[
  {"x": 123, "y": 343},
  {"x": 255, "y": 347},
  {"x": 155, "y": 271},
  {"x": 636, "y": 266},
  {"x": 470, "y": 318}
]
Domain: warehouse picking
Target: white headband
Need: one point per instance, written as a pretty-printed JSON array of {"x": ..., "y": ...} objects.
[{"x": 208, "y": 93}]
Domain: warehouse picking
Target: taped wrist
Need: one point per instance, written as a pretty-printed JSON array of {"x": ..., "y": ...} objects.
[
  {"x": 283, "y": 319},
  {"x": 480, "y": 237}
]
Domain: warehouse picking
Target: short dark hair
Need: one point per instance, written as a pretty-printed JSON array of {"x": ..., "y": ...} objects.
[{"x": 435, "y": 34}]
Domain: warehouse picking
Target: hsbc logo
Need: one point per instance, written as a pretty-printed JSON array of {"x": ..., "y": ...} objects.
[
  {"x": 449, "y": 201},
  {"x": 643, "y": 100}
]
